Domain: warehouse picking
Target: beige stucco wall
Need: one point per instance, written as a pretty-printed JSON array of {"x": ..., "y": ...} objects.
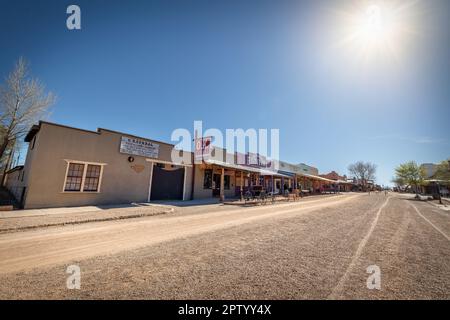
[
  {"x": 120, "y": 182},
  {"x": 199, "y": 192}
]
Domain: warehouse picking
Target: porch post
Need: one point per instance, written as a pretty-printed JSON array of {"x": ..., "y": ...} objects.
[
  {"x": 150, "y": 182},
  {"x": 222, "y": 185},
  {"x": 242, "y": 186},
  {"x": 273, "y": 190}
]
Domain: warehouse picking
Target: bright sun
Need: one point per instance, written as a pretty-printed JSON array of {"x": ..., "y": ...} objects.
[
  {"x": 375, "y": 29},
  {"x": 374, "y": 25}
]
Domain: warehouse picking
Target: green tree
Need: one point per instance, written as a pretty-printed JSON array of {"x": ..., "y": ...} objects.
[
  {"x": 410, "y": 174},
  {"x": 443, "y": 172},
  {"x": 398, "y": 181}
]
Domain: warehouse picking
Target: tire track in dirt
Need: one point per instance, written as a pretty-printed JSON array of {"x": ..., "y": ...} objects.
[
  {"x": 43, "y": 248},
  {"x": 337, "y": 290}
]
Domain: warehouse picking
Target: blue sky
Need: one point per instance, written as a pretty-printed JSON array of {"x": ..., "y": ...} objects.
[{"x": 149, "y": 67}]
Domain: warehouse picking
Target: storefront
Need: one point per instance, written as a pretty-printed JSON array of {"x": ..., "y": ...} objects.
[
  {"x": 68, "y": 166},
  {"x": 213, "y": 176}
]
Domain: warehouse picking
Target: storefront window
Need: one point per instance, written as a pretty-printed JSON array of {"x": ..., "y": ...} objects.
[
  {"x": 74, "y": 177},
  {"x": 92, "y": 178},
  {"x": 83, "y": 177},
  {"x": 261, "y": 180},
  {"x": 207, "y": 179}
]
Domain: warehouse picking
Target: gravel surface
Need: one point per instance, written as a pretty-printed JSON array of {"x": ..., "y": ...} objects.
[{"x": 316, "y": 253}]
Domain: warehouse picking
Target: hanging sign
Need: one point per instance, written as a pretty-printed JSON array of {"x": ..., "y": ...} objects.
[{"x": 203, "y": 148}]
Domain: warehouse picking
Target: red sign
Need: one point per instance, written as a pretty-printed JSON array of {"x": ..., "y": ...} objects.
[{"x": 203, "y": 148}]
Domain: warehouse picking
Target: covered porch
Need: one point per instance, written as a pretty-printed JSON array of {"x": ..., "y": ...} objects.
[{"x": 311, "y": 184}]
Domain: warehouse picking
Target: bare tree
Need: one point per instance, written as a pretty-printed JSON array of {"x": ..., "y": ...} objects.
[
  {"x": 23, "y": 101},
  {"x": 363, "y": 171}
]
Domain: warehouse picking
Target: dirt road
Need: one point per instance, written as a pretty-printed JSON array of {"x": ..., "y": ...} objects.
[{"x": 317, "y": 248}]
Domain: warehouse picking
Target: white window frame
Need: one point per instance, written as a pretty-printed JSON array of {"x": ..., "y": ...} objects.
[{"x": 85, "y": 163}]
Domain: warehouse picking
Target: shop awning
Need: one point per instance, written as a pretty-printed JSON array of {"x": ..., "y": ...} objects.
[
  {"x": 311, "y": 176},
  {"x": 265, "y": 172},
  {"x": 231, "y": 166},
  {"x": 287, "y": 173}
]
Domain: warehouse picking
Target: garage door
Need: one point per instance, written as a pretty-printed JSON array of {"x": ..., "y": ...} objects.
[{"x": 167, "y": 184}]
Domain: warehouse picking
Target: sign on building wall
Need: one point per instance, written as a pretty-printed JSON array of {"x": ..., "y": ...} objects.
[
  {"x": 253, "y": 160},
  {"x": 303, "y": 168},
  {"x": 203, "y": 148},
  {"x": 139, "y": 147}
]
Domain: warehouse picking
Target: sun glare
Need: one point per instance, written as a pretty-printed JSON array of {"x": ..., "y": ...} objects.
[
  {"x": 374, "y": 24},
  {"x": 375, "y": 29}
]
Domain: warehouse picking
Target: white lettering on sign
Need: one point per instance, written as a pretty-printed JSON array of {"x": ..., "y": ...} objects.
[
  {"x": 203, "y": 148},
  {"x": 139, "y": 147}
]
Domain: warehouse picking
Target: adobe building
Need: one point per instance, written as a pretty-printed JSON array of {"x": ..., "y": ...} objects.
[{"x": 68, "y": 166}]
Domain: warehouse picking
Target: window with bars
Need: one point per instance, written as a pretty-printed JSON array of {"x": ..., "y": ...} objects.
[
  {"x": 74, "y": 177},
  {"x": 83, "y": 177},
  {"x": 92, "y": 178}
]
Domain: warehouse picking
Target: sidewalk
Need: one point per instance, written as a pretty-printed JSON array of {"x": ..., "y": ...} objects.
[
  {"x": 37, "y": 218},
  {"x": 64, "y": 210}
]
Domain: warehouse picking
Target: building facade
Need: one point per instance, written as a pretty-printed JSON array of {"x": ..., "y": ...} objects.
[
  {"x": 73, "y": 167},
  {"x": 68, "y": 166},
  {"x": 341, "y": 182}
]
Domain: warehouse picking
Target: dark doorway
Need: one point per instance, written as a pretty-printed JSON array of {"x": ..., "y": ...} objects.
[
  {"x": 167, "y": 184},
  {"x": 216, "y": 185}
]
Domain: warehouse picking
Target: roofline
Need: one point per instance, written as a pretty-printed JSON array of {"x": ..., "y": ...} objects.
[
  {"x": 37, "y": 127},
  {"x": 134, "y": 136},
  {"x": 65, "y": 126},
  {"x": 31, "y": 133}
]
